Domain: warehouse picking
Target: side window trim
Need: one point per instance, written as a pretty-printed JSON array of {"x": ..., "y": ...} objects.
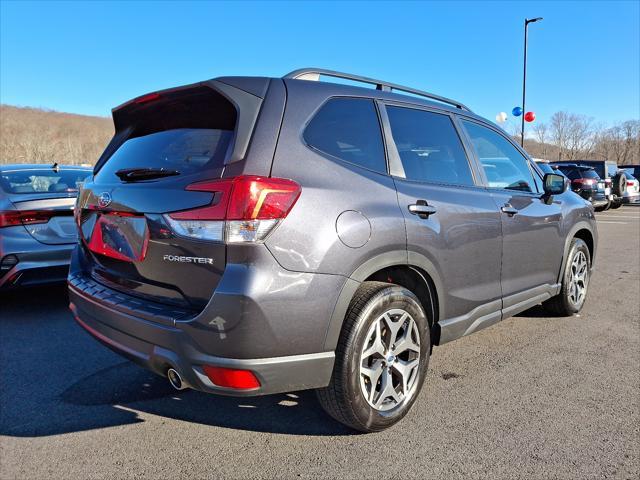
[
  {"x": 396, "y": 168},
  {"x": 394, "y": 164},
  {"x": 506, "y": 137}
]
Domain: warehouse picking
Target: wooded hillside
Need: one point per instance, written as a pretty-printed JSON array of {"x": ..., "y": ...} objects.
[{"x": 33, "y": 135}]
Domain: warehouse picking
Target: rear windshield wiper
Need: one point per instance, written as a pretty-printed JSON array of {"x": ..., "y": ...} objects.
[{"x": 135, "y": 174}]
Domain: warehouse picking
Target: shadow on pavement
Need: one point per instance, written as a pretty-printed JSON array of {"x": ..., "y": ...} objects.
[{"x": 56, "y": 379}]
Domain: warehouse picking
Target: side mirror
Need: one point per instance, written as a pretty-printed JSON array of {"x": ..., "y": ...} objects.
[{"x": 555, "y": 184}]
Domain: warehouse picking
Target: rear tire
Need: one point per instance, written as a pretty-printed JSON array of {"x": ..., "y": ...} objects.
[
  {"x": 575, "y": 282},
  {"x": 378, "y": 373},
  {"x": 619, "y": 184}
]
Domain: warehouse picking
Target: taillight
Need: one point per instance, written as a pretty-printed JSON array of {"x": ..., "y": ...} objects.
[
  {"x": 10, "y": 218},
  {"x": 630, "y": 183},
  {"x": 243, "y": 209},
  {"x": 231, "y": 377},
  {"x": 584, "y": 181}
]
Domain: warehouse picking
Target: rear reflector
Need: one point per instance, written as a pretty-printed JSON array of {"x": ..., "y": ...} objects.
[
  {"x": 231, "y": 378},
  {"x": 7, "y": 264},
  {"x": 243, "y": 209},
  {"x": 10, "y": 218}
]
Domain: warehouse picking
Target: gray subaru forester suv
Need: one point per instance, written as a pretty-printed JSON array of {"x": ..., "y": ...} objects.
[{"x": 247, "y": 236}]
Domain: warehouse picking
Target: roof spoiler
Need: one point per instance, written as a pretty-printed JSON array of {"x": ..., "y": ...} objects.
[{"x": 246, "y": 104}]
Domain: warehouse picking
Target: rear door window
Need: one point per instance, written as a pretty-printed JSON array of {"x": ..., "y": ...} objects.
[
  {"x": 429, "y": 146},
  {"x": 504, "y": 166},
  {"x": 348, "y": 129}
]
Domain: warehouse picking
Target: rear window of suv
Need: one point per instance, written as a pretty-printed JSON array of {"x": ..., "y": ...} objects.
[
  {"x": 590, "y": 173},
  {"x": 348, "y": 129},
  {"x": 188, "y": 131},
  {"x": 187, "y": 150}
]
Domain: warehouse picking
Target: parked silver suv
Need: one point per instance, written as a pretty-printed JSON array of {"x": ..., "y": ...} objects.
[{"x": 246, "y": 236}]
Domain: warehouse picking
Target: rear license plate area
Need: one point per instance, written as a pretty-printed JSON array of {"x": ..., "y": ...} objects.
[{"x": 122, "y": 236}]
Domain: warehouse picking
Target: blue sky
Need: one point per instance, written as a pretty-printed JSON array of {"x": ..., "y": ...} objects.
[{"x": 88, "y": 57}]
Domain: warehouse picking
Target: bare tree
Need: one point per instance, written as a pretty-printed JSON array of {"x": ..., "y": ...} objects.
[
  {"x": 572, "y": 134},
  {"x": 541, "y": 132},
  {"x": 559, "y": 132},
  {"x": 631, "y": 132},
  {"x": 580, "y": 137}
]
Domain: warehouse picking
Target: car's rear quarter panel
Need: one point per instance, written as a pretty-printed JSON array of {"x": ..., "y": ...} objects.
[{"x": 307, "y": 240}]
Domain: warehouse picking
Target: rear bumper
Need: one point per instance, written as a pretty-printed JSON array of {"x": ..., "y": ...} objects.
[
  {"x": 38, "y": 263},
  {"x": 631, "y": 199},
  {"x": 281, "y": 340},
  {"x": 596, "y": 198},
  {"x": 159, "y": 347}
]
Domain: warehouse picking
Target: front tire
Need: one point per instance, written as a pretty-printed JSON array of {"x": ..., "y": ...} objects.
[
  {"x": 575, "y": 282},
  {"x": 381, "y": 358}
]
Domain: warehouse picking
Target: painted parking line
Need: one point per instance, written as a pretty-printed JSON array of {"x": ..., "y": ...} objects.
[
  {"x": 618, "y": 216},
  {"x": 619, "y": 223}
]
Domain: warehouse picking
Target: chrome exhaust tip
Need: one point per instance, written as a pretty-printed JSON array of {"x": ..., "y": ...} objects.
[{"x": 176, "y": 380}]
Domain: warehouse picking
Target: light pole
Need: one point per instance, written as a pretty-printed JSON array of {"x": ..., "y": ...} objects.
[{"x": 527, "y": 21}]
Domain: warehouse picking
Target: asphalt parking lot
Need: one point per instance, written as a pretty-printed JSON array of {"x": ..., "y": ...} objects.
[{"x": 532, "y": 397}]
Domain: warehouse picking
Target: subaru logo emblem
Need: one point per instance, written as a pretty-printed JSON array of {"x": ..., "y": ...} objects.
[{"x": 104, "y": 199}]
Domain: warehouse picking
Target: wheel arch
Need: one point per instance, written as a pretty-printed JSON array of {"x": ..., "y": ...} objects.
[
  {"x": 585, "y": 232},
  {"x": 418, "y": 275}
]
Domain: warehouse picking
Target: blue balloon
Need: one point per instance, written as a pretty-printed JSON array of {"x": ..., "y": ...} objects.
[{"x": 517, "y": 111}]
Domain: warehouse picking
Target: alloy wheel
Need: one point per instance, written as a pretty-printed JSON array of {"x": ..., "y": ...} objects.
[
  {"x": 389, "y": 360},
  {"x": 578, "y": 278}
]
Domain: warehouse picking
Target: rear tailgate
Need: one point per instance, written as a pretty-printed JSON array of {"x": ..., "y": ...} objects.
[{"x": 169, "y": 140}]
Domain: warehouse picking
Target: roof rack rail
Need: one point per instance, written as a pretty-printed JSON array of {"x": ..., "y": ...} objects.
[{"x": 314, "y": 74}]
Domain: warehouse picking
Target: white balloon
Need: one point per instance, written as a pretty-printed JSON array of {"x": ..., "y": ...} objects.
[{"x": 501, "y": 117}]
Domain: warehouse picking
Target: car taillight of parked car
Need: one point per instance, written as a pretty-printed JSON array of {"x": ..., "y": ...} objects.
[
  {"x": 11, "y": 218},
  {"x": 585, "y": 181},
  {"x": 244, "y": 209}
]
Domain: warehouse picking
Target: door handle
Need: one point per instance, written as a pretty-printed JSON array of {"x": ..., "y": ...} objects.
[
  {"x": 422, "y": 209},
  {"x": 509, "y": 209}
]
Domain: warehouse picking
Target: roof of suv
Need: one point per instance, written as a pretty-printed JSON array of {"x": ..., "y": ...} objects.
[
  {"x": 313, "y": 79},
  {"x": 573, "y": 165}
]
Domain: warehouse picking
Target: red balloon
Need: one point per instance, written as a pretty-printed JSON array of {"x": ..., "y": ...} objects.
[{"x": 529, "y": 117}]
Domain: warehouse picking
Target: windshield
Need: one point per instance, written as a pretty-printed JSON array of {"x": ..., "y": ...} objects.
[
  {"x": 24, "y": 181},
  {"x": 545, "y": 167}
]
